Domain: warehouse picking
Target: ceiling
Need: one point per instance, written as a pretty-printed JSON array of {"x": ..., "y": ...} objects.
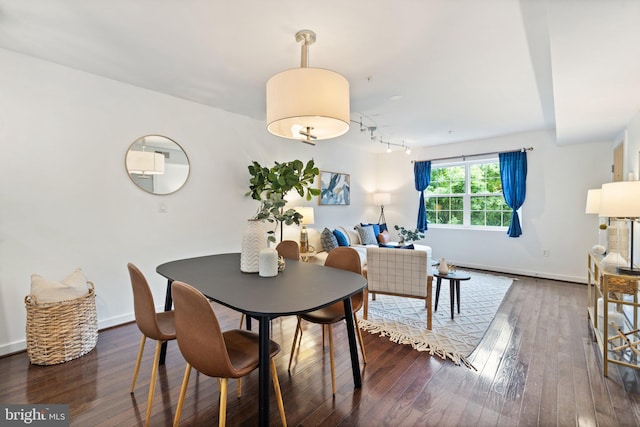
[{"x": 423, "y": 72}]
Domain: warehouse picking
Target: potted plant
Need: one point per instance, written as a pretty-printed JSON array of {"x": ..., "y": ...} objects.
[
  {"x": 407, "y": 236},
  {"x": 270, "y": 186}
]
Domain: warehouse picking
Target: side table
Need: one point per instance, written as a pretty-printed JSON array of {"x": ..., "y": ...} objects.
[
  {"x": 454, "y": 278},
  {"x": 306, "y": 256}
]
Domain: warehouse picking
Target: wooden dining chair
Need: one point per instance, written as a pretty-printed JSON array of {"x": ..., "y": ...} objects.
[
  {"x": 157, "y": 326},
  {"x": 230, "y": 354},
  {"x": 288, "y": 249},
  {"x": 344, "y": 258}
]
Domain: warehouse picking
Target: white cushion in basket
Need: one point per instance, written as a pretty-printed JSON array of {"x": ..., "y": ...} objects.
[{"x": 71, "y": 287}]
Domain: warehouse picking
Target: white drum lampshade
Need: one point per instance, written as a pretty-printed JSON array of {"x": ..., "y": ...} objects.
[
  {"x": 308, "y": 100},
  {"x": 145, "y": 162},
  {"x": 305, "y": 103}
]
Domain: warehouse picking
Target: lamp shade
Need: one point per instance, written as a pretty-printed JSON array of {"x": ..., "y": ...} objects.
[
  {"x": 593, "y": 201},
  {"x": 620, "y": 200},
  {"x": 381, "y": 198},
  {"x": 145, "y": 162},
  {"x": 307, "y": 214},
  {"x": 309, "y": 100}
]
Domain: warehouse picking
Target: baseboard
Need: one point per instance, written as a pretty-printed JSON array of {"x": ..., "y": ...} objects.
[
  {"x": 115, "y": 321},
  {"x": 528, "y": 273},
  {"x": 13, "y": 347},
  {"x": 19, "y": 346}
]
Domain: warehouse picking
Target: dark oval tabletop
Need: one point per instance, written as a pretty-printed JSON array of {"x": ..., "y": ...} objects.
[{"x": 300, "y": 288}]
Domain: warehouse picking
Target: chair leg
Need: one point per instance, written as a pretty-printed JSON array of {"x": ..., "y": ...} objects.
[
  {"x": 183, "y": 391},
  {"x": 138, "y": 360},
  {"x": 276, "y": 386},
  {"x": 239, "y": 388},
  {"x": 152, "y": 384},
  {"x": 428, "y": 301},
  {"x": 333, "y": 367},
  {"x": 323, "y": 334},
  {"x": 355, "y": 323},
  {"x": 366, "y": 304},
  {"x": 223, "y": 402},
  {"x": 295, "y": 338},
  {"x": 241, "y": 321}
]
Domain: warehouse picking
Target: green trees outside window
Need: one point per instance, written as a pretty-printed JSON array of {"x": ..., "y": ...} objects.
[{"x": 468, "y": 194}]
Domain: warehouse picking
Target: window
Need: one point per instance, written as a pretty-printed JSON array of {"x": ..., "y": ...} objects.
[{"x": 467, "y": 194}]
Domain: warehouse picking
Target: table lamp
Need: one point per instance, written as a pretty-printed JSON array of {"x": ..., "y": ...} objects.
[
  {"x": 593, "y": 207},
  {"x": 621, "y": 200},
  {"x": 381, "y": 199},
  {"x": 307, "y": 219}
]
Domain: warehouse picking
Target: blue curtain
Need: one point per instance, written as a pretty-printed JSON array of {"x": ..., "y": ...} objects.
[
  {"x": 422, "y": 177},
  {"x": 513, "y": 173}
]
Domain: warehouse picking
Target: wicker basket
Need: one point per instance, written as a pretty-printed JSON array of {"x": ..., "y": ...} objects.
[
  {"x": 621, "y": 284},
  {"x": 61, "y": 331}
]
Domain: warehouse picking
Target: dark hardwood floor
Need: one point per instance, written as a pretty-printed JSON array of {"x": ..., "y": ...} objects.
[{"x": 537, "y": 365}]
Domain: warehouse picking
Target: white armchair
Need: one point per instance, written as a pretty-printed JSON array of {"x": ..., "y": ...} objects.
[{"x": 399, "y": 272}]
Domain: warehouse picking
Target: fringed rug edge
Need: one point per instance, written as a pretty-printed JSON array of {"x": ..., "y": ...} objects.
[{"x": 417, "y": 344}]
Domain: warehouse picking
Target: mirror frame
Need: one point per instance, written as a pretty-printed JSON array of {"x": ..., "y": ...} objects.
[{"x": 177, "y": 147}]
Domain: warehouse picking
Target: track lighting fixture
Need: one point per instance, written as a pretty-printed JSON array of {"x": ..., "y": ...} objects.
[{"x": 372, "y": 129}]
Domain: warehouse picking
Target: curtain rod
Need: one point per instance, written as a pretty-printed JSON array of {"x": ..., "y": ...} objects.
[{"x": 465, "y": 156}]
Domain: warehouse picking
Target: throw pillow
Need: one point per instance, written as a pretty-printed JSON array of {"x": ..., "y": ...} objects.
[
  {"x": 384, "y": 237},
  {"x": 367, "y": 236},
  {"x": 341, "y": 238},
  {"x": 376, "y": 228},
  {"x": 329, "y": 241},
  {"x": 71, "y": 287}
]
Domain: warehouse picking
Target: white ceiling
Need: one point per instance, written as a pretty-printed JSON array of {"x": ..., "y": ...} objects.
[{"x": 424, "y": 72}]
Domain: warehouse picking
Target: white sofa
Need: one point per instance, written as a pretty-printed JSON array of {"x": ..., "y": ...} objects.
[{"x": 354, "y": 242}]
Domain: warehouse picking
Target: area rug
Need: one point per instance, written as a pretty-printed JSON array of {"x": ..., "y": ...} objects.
[{"x": 404, "y": 320}]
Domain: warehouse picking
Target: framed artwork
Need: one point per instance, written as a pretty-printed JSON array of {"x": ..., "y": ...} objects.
[{"x": 335, "y": 188}]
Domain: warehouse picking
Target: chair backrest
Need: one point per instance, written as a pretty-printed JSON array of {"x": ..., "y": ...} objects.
[
  {"x": 288, "y": 249},
  {"x": 143, "y": 305},
  {"x": 198, "y": 332},
  {"x": 346, "y": 258},
  {"x": 397, "y": 271}
]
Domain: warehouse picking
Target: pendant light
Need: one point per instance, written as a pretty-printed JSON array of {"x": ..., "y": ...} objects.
[{"x": 308, "y": 104}]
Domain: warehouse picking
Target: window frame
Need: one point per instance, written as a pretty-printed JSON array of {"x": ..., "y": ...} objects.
[{"x": 466, "y": 196}]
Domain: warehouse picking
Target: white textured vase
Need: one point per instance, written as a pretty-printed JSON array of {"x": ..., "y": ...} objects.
[
  {"x": 443, "y": 268},
  {"x": 253, "y": 241}
]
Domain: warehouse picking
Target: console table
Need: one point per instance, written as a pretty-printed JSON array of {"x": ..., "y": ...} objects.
[{"x": 616, "y": 345}]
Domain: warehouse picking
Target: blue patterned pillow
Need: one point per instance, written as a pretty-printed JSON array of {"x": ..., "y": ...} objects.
[
  {"x": 329, "y": 241},
  {"x": 367, "y": 236},
  {"x": 341, "y": 238}
]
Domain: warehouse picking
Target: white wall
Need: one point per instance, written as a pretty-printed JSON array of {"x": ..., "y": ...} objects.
[
  {"x": 553, "y": 215},
  {"x": 67, "y": 202}
]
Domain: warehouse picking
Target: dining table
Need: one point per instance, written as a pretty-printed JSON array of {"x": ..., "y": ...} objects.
[{"x": 300, "y": 288}]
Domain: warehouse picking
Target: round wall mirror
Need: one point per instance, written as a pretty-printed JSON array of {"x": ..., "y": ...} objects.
[{"x": 157, "y": 164}]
